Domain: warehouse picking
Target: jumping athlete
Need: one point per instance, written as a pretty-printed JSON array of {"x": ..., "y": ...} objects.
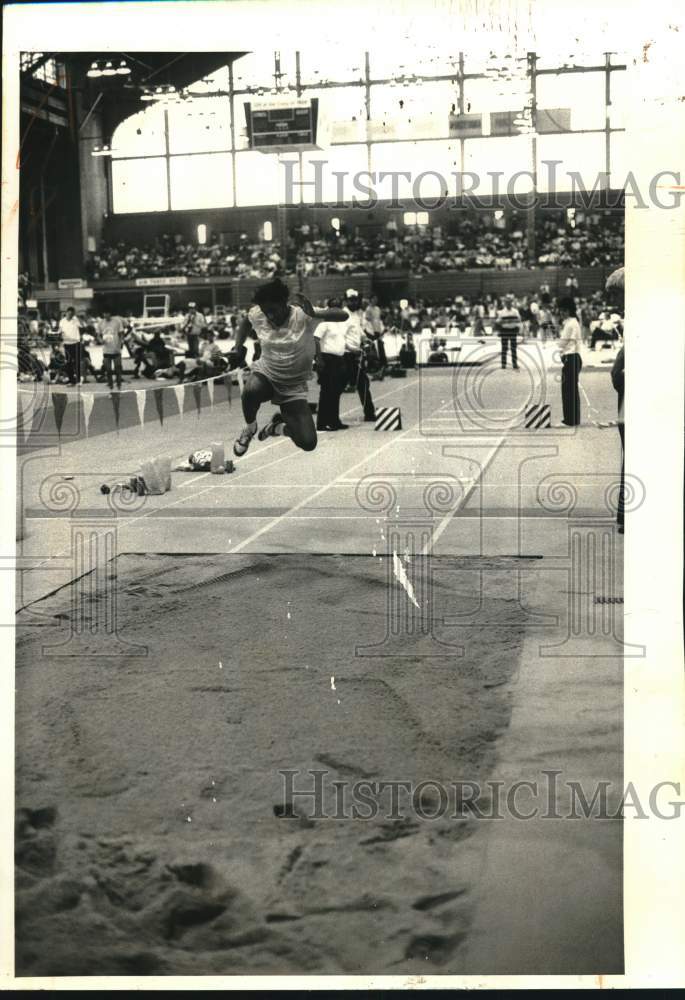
[{"x": 285, "y": 332}]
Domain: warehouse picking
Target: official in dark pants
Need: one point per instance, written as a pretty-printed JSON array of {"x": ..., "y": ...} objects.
[
  {"x": 332, "y": 371},
  {"x": 570, "y": 339},
  {"x": 354, "y": 357},
  {"x": 508, "y": 326}
]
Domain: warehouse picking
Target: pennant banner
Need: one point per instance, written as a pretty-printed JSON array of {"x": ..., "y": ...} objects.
[
  {"x": 59, "y": 404},
  {"x": 87, "y": 400},
  {"x": 140, "y": 400},
  {"x": 197, "y": 393},
  {"x": 180, "y": 391},
  {"x": 159, "y": 403}
]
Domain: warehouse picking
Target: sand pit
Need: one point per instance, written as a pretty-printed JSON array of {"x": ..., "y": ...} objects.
[{"x": 154, "y": 832}]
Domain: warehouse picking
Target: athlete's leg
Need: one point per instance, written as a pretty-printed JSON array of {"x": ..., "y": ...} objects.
[
  {"x": 299, "y": 424},
  {"x": 257, "y": 390}
]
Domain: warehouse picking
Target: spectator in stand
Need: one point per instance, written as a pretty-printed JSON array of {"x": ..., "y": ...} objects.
[
  {"x": 70, "y": 334},
  {"x": 508, "y": 326},
  {"x": 111, "y": 330}
]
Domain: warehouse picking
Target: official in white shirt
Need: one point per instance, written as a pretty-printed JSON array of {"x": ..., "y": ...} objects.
[
  {"x": 570, "y": 339},
  {"x": 354, "y": 357},
  {"x": 70, "y": 332},
  {"x": 332, "y": 372}
]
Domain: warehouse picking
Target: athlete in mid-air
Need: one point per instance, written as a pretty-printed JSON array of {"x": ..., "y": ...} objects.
[{"x": 284, "y": 326}]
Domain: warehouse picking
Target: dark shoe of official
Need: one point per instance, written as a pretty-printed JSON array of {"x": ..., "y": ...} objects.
[
  {"x": 340, "y": 427},
  {"x": 370, "y": 418}
]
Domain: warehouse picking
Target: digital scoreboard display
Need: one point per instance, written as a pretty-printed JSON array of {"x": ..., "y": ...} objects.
[{"x": 279, "y": 127}]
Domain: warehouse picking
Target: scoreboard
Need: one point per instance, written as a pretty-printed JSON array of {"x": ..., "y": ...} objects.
[{"x": 282, "y": 124}]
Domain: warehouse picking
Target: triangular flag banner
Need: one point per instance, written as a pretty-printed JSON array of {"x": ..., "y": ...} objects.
[
  {"x": 197, "y": 392},
  {"x": 59, "y": 404},
  {"x": 180, "y": 391},
  {"x": 87, "y": 400},
  {"x": 116, "y": 405},
  {"x": 159, "y": 403},
  {"x": 210, "y": 390},
  {"x": 140, "y": 400}
]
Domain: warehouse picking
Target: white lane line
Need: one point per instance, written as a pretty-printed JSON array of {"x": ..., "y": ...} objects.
[
  {"x": 281, "y": 517},
  {"x": 469, "y": 490}
]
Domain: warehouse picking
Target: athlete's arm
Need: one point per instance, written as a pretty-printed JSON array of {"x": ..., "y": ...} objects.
[
  {"x": 236, "y": 356},
  {"x": 320, "y": 315}
]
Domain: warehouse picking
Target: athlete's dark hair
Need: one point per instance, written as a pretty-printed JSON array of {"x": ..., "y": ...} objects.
[
  {"x": 272, "y": 294},
  {"x": 568, "y": 304}
]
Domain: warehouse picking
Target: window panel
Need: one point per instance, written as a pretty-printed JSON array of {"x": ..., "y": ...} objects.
[
  {"x": 417, "y": 112},
  {"x": 255, "y": 69},
  {"x": 261, "y": 179},
  {"x": 348, "y": 160},
  {"x": 201, "y": 181},
  {"x": 583, "y": 93},
  {"x": 584, "y": 154},
  {"x": 141, "y": 135},
  {"x": 620, "y": 95},
  {"x": 201, "y": 126},
  {"x": 436, "y": 161},
  {"x": 139, "y": 185},
  {"x": 341, "y": 64},
  {"x": 507, "y": 155}
]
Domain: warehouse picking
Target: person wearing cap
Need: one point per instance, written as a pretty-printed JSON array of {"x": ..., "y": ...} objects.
[
  {"x": 193, "y": 328},
  {"x": 354, "y": 357},
  {"x": 508, "y": 326},
  {"x": 332, "y": 373}
]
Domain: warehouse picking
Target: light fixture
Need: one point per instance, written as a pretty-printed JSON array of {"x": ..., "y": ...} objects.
[
  {"x": 123, "y": 69},
  {"x": 105, "y": 150},
  {"x": 94, "y": 70},
  {"x": 109, "y": 70}
]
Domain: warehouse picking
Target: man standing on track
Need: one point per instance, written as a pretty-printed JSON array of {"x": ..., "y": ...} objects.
[
  {"x": 354, "y": 356},
  {"x": 286, "y": 335},
  {"x": 508, "y": 326},
  {"x": 332, "y": 373},
  {"x": 111, "y": 330},
  {"x": 70, "y": 331}
]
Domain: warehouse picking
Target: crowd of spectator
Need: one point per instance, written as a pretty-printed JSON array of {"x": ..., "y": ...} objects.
[
  {"x": 482, "y": 240},
  {"x": 196, "y": 344}
]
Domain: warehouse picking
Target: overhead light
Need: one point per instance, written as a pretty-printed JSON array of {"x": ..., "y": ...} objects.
[
  {"x": 123, "y": 68},
  {"x": 105, "y": 150},
  {"x": 109, "y": 70},
  {"x": 94, "y": 70}
]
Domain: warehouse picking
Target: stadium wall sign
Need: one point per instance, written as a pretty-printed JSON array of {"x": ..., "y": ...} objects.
[{"x": 147, "y": 282}]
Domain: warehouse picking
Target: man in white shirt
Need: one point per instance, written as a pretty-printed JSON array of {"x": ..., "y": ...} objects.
[
  {"x": 332, "y": 373},
  {"x": 508, "y": 326},
  {"x": 70, "y": 332},
  {"x": 354, "y": 358}
]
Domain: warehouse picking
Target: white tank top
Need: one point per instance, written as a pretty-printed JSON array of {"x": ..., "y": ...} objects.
[{"x": 288, "y": 350}]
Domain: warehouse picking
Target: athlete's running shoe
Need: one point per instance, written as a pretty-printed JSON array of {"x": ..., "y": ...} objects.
[
  {"x": 269, "y": 430},
  {"x": 242, "y": 443}
]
